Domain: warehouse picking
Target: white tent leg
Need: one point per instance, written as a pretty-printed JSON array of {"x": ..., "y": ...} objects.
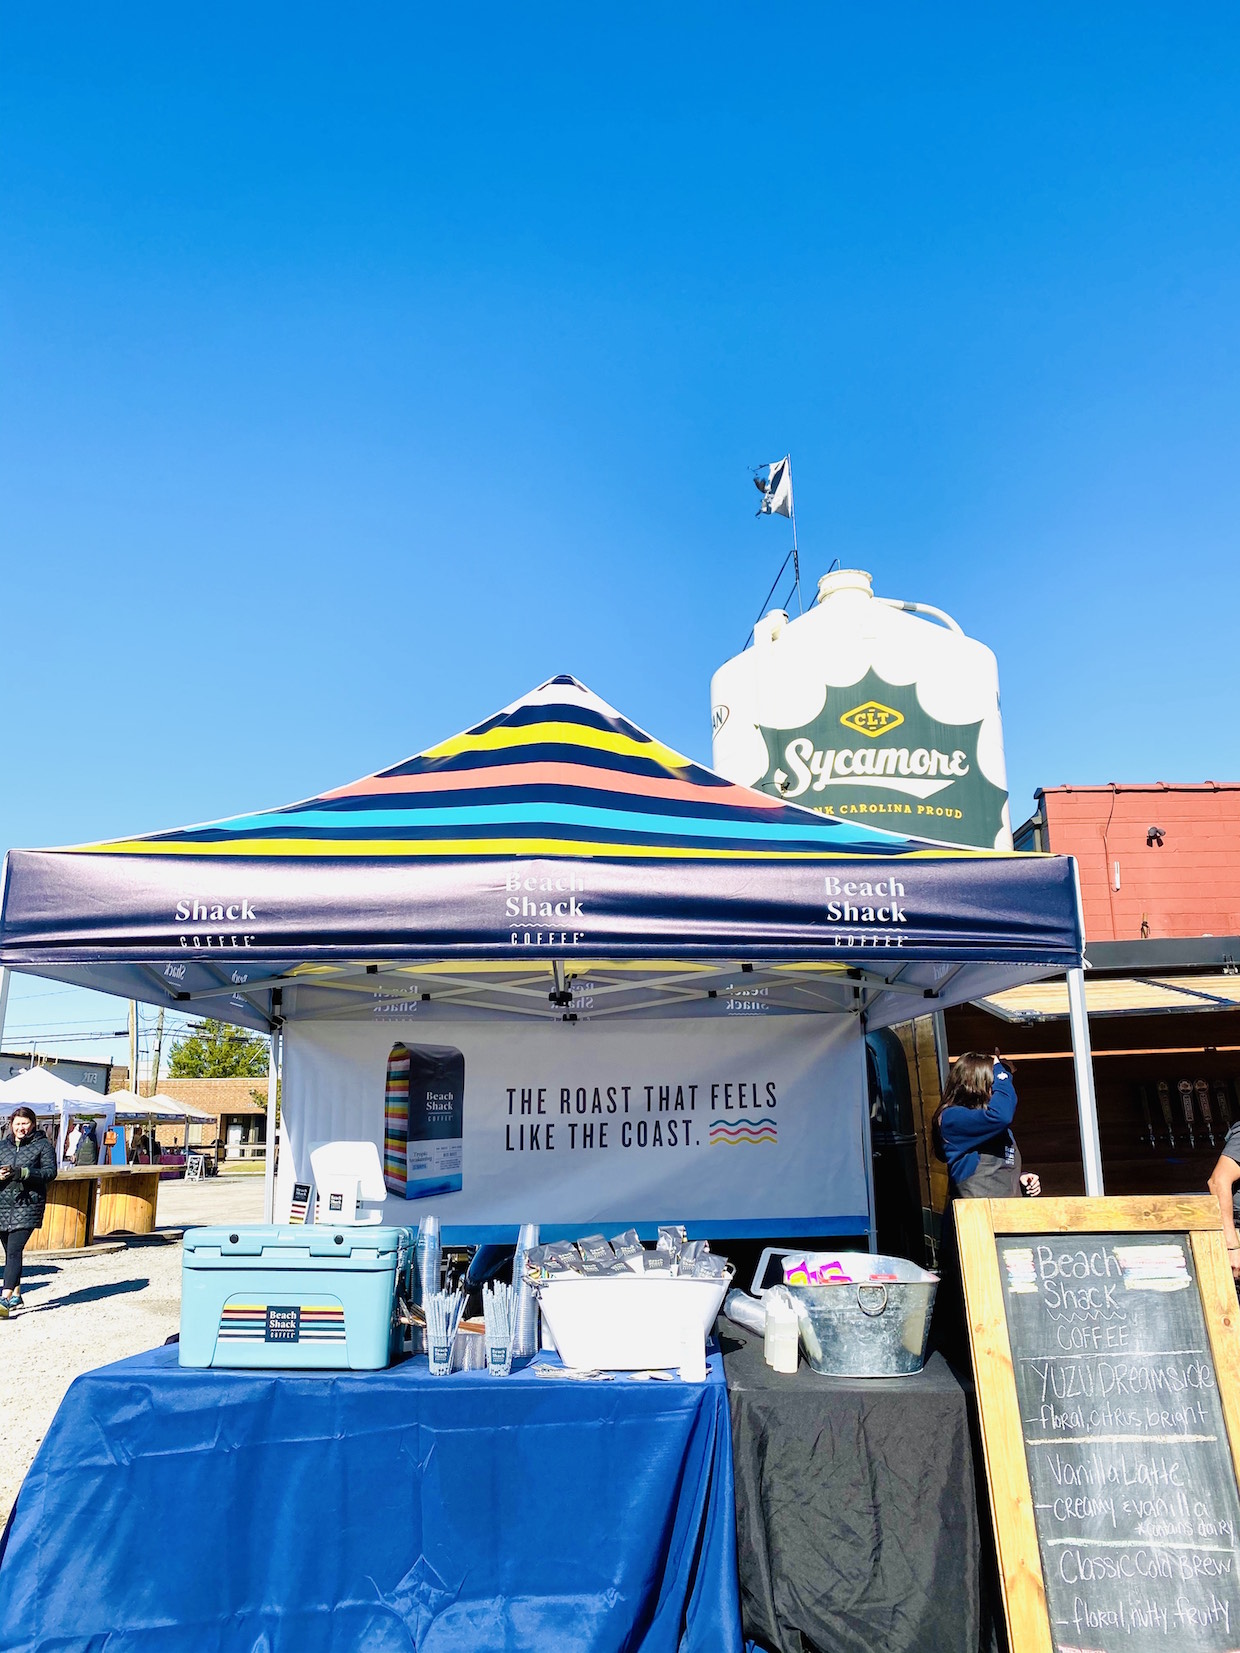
[
  {"x": 1086, "y": 1101},
  {"x": 867, "y": 1143},
  {"x": 4, "y": 1001},
  {"x": 269, "y": 1158}
]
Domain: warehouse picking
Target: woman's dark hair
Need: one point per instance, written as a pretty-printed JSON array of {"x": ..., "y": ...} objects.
[
  {"x": 25, "y": 1112},
  {"x": 969, "y": 1085}
]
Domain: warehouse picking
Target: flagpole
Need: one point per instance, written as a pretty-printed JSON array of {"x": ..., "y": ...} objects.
[{"x": 796, "y": 555}]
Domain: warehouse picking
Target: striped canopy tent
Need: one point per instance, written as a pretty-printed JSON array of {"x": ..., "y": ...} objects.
[
  {"x": 555, "y": 838},
  {"x": 551, "y": 844}
]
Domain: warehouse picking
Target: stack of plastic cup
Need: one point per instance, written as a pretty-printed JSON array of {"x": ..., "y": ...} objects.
[
  {"x": 525, "y": 1315},
  {"x": 429, "y": 1256}
]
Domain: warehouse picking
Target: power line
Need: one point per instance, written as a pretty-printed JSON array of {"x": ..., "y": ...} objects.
[{"x": 39, "y": 1040}]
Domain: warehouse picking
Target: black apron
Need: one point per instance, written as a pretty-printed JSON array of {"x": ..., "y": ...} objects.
[{"x": 997, "y": 1176}]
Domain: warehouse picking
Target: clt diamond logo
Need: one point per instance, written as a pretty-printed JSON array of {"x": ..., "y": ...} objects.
[{"x": 872, "y": 719}]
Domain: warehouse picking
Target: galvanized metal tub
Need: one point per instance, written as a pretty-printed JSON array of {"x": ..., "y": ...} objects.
[{"x": 864, "y": 1327}]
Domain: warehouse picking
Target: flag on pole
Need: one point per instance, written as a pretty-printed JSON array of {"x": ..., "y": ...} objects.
[{"x": 775, "y": 488}]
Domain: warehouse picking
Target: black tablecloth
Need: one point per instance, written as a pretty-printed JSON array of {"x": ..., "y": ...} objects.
[{"x": 856, "y": 1509}]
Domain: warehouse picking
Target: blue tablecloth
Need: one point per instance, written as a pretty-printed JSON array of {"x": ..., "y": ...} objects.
[{"x": 268, "y": 1512}]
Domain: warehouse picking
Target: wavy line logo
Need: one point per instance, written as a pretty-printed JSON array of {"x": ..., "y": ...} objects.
[{"x": 754, "y": 1135}]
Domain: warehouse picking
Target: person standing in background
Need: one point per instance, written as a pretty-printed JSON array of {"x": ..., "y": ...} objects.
[
  {"x": 27, "y": 1166},
  {"x": 87, "y": 1150},
  {"x": 72, "y": 1137},
  {"x": 973, "y": 1132}
]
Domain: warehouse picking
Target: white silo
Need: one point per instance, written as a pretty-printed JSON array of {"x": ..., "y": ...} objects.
[{"x": 871, "y": 709}]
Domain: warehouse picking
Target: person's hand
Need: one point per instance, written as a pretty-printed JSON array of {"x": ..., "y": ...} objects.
[
  {"x": 1233, "y": 1257},
  {"x": 1032, "y": 1185}
]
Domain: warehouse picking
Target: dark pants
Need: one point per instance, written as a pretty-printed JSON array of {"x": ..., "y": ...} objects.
[{"x": 14, "y": 1241}]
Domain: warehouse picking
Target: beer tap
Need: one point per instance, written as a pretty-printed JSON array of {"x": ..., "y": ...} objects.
[
  {"x": 1164, "y": 1102},
  {"x": 1185, "y": 1088},
  {"x": 1203, "y": 1102}
]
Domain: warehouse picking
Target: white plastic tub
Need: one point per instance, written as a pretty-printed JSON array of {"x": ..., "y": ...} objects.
[{"x": 630, "y": 1323}]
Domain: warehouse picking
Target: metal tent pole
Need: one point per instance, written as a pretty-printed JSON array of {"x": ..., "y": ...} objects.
[
  {"x": 1083, "y": 1066},
  {"x": 867, "y": 1140},
  {"x": 1083, "y": 1062},
  {"x": 4, "y": 1001},
  {"x": 269, "y": 1165}
]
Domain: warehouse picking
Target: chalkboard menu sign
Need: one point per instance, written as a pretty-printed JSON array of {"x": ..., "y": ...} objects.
[{"x": 1106, "y": 1423}]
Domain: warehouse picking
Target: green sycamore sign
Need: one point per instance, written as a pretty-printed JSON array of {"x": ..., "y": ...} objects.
[{"x": 873, "y": 753}]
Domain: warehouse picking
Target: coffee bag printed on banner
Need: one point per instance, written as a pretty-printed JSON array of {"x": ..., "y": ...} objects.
[
  {"x": 396, "y": 1121},
  {"x": 424, "y": 1120}
]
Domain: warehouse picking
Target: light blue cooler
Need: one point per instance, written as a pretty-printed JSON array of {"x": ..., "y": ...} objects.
[{"x": 293, "y": 1297}]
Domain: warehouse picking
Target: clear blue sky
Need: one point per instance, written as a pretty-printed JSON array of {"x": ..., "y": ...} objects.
[{"x": 362, "y": 366}]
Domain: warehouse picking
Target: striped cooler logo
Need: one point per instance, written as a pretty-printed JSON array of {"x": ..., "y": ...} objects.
[
  {"x": 396, "y": 1121},
  {"x": 282, "y": 1323},
  {"x": 754, "y": 1134}
]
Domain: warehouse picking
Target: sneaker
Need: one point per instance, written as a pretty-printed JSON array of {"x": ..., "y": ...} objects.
[
  {"x": 4, "y": 1308},
  {"x": 14, "y": 1301}
]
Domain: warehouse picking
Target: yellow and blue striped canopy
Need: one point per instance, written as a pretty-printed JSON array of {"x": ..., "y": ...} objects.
[{"x": 558, "y": 773}]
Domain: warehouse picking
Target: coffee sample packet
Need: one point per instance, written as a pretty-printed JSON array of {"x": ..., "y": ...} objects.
[
  {"x": 594, "y": 1249},
  {"x": 626, "y": 1245}
]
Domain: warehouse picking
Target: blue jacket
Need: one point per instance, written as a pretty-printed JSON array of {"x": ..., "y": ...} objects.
[{"x": 967, "y": 1132}]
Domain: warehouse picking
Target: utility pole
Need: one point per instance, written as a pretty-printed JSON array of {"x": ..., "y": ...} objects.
[
  {"x": 159, "y": 1057},
  {"x": 133, "y": 1047}
]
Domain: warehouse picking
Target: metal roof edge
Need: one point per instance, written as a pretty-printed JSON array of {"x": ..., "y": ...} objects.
[{"x": 1126, "y": 958}]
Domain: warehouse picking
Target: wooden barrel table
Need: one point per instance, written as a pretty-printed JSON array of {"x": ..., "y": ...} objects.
[
  {"x": 126, "y": 1199},
  {"x": 87, "y": 1202},
  {"x": 70, "y": 1210}
]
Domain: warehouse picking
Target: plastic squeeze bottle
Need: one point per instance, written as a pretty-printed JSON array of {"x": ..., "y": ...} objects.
[{"x": 780, "y": 1344}]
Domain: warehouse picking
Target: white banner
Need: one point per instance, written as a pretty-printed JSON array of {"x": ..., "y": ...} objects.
[{"x": 736, "y": 1127}]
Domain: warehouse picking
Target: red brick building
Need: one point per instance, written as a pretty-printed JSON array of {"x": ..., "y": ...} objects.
[{"x": 1157, "y": 862}]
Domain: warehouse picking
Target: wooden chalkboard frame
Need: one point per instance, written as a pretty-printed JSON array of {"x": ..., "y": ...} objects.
[{"x": 978, "y": 1223}]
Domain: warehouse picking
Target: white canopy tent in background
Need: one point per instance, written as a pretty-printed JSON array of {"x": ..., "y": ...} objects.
[
  {"x": 132, "y": 1109},
  {"x": 52, "y": 1098},
  {"x": 42, "y": 1090},
  {"x": 157, "y": 1110}
]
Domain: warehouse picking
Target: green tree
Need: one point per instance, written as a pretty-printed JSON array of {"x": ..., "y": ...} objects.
[{"x": 217, "y": 1050}]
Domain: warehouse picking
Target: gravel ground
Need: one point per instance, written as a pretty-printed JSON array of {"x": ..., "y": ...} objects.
[{"x": 87, "y": 1311}]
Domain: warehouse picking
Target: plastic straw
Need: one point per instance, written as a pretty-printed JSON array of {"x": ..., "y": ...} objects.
[
  {"x": 498, "y": 1308},
  {"x": 443, "y": 1311}
]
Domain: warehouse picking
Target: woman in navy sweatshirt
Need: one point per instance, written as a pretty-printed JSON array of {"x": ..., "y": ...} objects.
[{"x": 973, "y": 1132}]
